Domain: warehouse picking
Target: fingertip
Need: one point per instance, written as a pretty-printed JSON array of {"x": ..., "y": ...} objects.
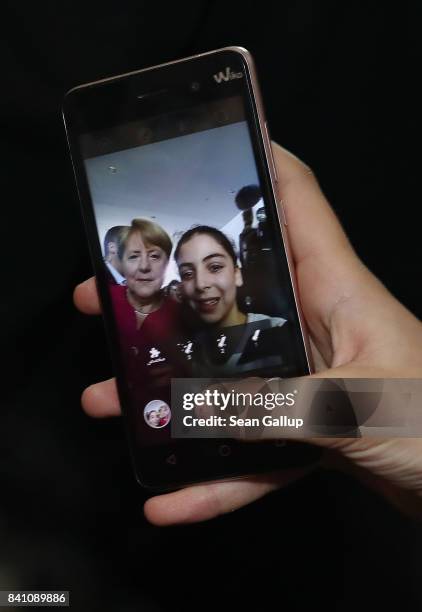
[
  {"x": 85, "y": 297},
  {"x": 153, "y": 513},
  {"x": 77, "y": 295},
  {"x": 163, "y": 510},
  {"x": 189, "y": 505},
  {"x": 101, "y": 400},
  {"x": 289, "y": 166},
  {"x": 88, "y": 402}
]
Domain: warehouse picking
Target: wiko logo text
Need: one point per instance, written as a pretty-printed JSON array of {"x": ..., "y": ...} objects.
[{"x": 227, "y": 75}]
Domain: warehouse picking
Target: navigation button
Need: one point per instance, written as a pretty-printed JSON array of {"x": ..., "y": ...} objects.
[
  {"x": 224, "y": 450},
  {"x": 171, "y": 459}
]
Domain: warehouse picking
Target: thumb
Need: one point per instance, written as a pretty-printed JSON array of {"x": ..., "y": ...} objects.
[
  {"x": 313, "y": 228},
  {"x": 327, "y": 269}
]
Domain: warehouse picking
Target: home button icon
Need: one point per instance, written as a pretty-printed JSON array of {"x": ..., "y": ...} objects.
[{"x": 224, "y": 450}]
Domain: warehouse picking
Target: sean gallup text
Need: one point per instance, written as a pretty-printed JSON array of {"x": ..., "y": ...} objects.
[{"x": 235, "y": 421}]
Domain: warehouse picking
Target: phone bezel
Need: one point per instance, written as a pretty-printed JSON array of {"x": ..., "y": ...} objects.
[{"x": 195, "y": 463}]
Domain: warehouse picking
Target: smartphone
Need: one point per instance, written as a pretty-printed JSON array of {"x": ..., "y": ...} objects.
[{"x": 179, "y": 196}]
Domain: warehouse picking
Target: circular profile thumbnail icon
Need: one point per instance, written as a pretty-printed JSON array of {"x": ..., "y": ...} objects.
[{"x": 157, "y": 414}]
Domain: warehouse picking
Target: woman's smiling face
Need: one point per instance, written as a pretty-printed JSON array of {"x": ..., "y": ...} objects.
[
  {"x": 144, "y": 267},
  {"x": 209, "y": 280},
  {"x": 154, "y": 418}
]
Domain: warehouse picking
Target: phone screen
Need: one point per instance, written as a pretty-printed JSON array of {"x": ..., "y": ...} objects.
[{"x": 191, "y": 255}]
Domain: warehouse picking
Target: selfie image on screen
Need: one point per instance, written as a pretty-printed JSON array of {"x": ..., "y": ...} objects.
[{"x": 190, "y": 261}]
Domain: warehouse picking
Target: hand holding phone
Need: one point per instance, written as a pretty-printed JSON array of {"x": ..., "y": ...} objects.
[
  {"x": 180, "y": 198},
  {"x": 327, "y": 268}
]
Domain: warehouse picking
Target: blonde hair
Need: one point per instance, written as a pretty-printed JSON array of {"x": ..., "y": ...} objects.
[{"x": 152, "y": 235}]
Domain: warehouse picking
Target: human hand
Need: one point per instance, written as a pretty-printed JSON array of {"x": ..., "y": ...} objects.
[{"x": 359, "y": 330}]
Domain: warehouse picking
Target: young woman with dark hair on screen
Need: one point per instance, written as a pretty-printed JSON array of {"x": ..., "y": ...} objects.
[{"x": 210, "y": 277}]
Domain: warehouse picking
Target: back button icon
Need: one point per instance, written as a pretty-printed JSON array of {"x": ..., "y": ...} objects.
[{"x": 171, "y": 459}]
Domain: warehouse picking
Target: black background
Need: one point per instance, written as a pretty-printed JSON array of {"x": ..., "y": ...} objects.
[{"x": 338, "y": 91}]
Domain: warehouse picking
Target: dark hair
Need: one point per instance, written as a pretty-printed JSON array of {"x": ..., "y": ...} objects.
[
  {"x": 248, "y": 196},
  {"x": 207, "y": 230},
  {"x": 112, "y": 235}
]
